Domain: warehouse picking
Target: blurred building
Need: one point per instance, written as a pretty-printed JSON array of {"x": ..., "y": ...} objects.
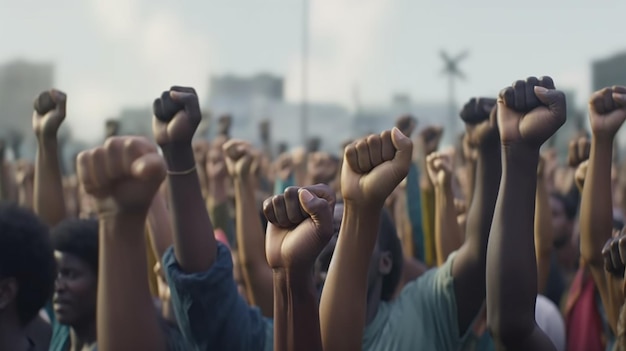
[
  {"x": 609, "y": 71},
  {"x": 20, "y": 83},
  {"x": 135, "y": 121},
  {"x": 263, "y": 86}
]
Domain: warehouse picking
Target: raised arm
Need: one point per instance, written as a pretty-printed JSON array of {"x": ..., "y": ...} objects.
[
  {"x": 614, "y": 254},
  {"x": 543, "y": 229},
  {"x": 468, "y": 269},
  {"x": 123, "y": 176},
  {"x": 447, "y": 231},
  {"x": 248, "y": 228},
  {"x": 529, "y": 113},
  {"x": 47, "y": 118},
  {"x": 159, "y": 226},
  {"x": 24, "y": 178},
  {"x": 300, "y": 226},
  {"x": 372, "y": 169},
  {"x": 176, "y": 118},
  {"x": 607, "y": 112}
]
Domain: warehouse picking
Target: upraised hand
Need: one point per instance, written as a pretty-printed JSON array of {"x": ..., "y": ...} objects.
[
  {"x": 530, "y": 112},
  {"x": 49, "y": 113},
  {"x": 239, "y": 158},
  {"x": 440, "y": 168},
  {"x": 122, "y": 176},
  {"x": 374, "y": 166},
  {"x": 429, "y": 138},
  {"x": 578, "y": 151},
  {"x": 479, "y": 116},
  {"x": 300, "y": 226},
  {"x": 607, "y": 111},
  {"x": 177, "y": 116}
]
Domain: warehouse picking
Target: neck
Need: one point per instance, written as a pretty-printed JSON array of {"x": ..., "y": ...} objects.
[
  {"x": 373, "y": 301},
  {"x": 82, "y": 336},
  {"x": 12, "y": 335}
]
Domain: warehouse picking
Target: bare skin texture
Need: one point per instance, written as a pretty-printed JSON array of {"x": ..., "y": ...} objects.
[
  {"x": 528, "y": 113},
  {"x": 300, "y": 226},
  {"x": 123, "y": 176}
]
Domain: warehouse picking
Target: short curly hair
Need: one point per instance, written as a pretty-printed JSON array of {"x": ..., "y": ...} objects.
[
  {"x": 26, "y": 255},
  {"x": 78, "y": 237}
]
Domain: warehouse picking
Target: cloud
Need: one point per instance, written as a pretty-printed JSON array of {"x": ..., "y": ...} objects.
[{"x": 344, "y": 36}]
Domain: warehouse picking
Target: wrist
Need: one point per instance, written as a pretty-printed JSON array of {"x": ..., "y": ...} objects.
[
  {"x": 117, "y": 224},
  {"x": 178, "y": 156},
  {"x": 299, "y": 281}
]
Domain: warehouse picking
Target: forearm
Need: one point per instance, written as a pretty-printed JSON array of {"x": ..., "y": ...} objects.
[
  {"x": 344, "y": 297},
  {"x": 471, "y": 180},
  {"x": 25, "y": 195},
  {"x": 251, "y": 247},
  {"x": 596, "y": 217},
  {"x": 447, "y": 232},
  {"x": 194, "y": 243},
  {"x": 543, "y": 234},
  {"x": 49, "y": 197},
  {"x": 4, "y": 180},
  {"x": 127, "y": 319},
  {"x": 511, "y": 265},
  {"x": 296, "y": 313},
  {"x": 159, "y": 226}
]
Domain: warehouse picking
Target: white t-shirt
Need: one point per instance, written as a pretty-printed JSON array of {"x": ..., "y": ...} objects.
[{"x": 549, "y": 319}]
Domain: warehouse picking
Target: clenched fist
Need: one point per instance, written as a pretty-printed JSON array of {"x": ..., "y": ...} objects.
[
  {"x": 300, "y": 226},
  {"x": 239, "y": 158},
  {"x": 49, "y": 113},
  {"x": 440, "y": 167},
  {"x": 607, "y": 111},
  {"x": 530, "y": 112},
  {"x": 578, "y": 151},
  {"x": 479, "y": 116},
  {"x": 122, "y": 176},
  {"x": 177, "y": 116},
  {"x": 374, "y": 166}
]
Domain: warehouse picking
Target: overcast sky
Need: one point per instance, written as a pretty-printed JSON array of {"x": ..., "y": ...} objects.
[{"x": 115, "y": 53}]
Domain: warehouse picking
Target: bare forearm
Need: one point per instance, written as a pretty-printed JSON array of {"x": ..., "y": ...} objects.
[
  {"x": 344, "y": 298},
  {"x": 49, "y": 196},
  {"x": 543, "y": 234},
  {"x": 127, "y": 319},
  {"x": 596, "y": 215},
  {"x": 297, "y": 313},
  {"x": 251, "y": 240},
  {"x": 159, "y": 226},
  {"x": 194, "y": 244},
  {"x": 447, "y": 231},
  {"x": 26, "y": 195},
  {"x": 511, "y": 266}
]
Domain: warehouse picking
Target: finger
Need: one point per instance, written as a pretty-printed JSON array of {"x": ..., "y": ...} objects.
[
  {"x": 606, "y": 256},
  {"x": 83, "y": 170},
  {"x": 149, "y": 167},
  {"x": 618, "y": 266},
  {"x": 554, "y": 99},
  {"x": 323, "y": 191},
  {"x": 351, "y": 158},
  {"x": 376, "y": 151},
  {"x": 170, "y": 106},
  {"x": 520, "y": 95},
  {"x": 268, "y": 210},
  {"x": 134, "y": 148},
  {"x": 546, "y": 82},
  {"x": 531, "y": 98},
  {"x": 596, "y": 101},
  {"x": 97, "y": 162},
  {"x": 114, "y": 161},
  {"x": 44, "y": 103},
  {"x": 607, "y": 98},
  {"x": 363, "y": 156},
  {"x": 388, "y": 150},
  {"x": 293, "y": 210},
  {"x": 60, "y": 101},
  {"x": 320, "y": 212},
  {"x": 157, "y": 110},
  {"x": 622, "y": 249},
  {"x": 619, "y": 95},
  {"x": 572, "y": 154},
  {"x": 188, "y": 98},
  {"x": 280, "y": 212},
  {"x": 507, "y": 97},
  {"x": 404, "y": 149}
]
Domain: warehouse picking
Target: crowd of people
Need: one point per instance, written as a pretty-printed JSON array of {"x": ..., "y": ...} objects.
[{"x": 181, "y": 243}]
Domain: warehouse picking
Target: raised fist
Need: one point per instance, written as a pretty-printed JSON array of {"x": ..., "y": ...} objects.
[
  {"x": 200, "y": 151},
  {"x": 49, "y": 113},
  {"x": 479, "y": 116},
  {"x": 216, "y": 163},
  {"x": 374, "y": 166},
  {"x": 406, "y": 124},
  {"x": 300, "y": 224},
  {"x": 607, "y": 111},
  {"x": 530, "y": 112},
  {"x": 239, "y": 158},
  {"x": 284, "y": 166},
  {"x": 322, "y": 167},
  {"x": 122, "y": 176},
  {"x": 440, "y": 167},
  {"x": 176, "y": 116},
  {"x": 581, "y": 174},
  {"x": 430, "y": 138},
  {"x": 614, "y": 253},
  {"x": 25, "y": 172},
  {"x": 578, "y": 151}
]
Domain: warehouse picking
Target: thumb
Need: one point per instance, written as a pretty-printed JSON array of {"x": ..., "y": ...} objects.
[
  {"x": 320, "y": 212},
  {"x": 554, "y": 99},
  {"x": 404, "y": 150},
  {"x": 149, "y": 167},
  {"x": 60, "y": 100}
]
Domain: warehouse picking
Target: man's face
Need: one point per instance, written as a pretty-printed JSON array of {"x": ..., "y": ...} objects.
[{"x": 75, "y": 291}]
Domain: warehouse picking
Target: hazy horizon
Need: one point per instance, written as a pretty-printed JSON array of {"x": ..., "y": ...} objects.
[{"x": 110, "y": 54}]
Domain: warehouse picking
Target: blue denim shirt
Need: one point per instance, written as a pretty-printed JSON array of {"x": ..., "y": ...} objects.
[{"x": 210, "y": 312}]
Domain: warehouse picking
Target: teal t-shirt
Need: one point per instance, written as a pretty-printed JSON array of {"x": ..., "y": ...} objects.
[{"x": 423, "y": 317}]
